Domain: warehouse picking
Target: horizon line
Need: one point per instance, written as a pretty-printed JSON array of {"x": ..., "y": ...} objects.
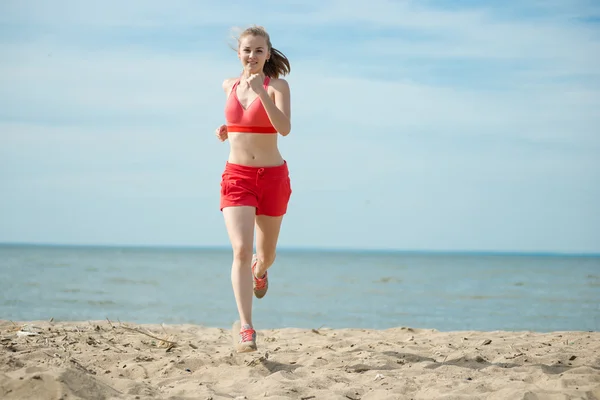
[{"x": 311, "y": 248}]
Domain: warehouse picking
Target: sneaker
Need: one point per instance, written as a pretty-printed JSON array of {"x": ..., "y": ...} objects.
[
  {"x": 261, "y": 285},
  {"x": 247, "y": 338}
]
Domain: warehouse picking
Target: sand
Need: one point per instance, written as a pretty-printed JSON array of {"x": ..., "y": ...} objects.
[{"x": 109, "y": 360}]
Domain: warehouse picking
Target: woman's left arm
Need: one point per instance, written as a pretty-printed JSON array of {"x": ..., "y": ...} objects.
[{"x": 279, "y": 111}]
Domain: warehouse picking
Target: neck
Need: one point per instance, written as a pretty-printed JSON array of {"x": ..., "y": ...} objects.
[{"x": 261, "y": 74}]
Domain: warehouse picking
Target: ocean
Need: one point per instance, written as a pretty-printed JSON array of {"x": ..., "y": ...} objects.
[{"x": 307, "y": 288}]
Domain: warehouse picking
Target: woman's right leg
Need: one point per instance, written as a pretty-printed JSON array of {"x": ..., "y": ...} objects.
[{"x": 239, "y": 222}]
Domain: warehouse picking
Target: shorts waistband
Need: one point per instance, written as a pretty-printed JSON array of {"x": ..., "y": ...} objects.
[{"x": 275, "y": 171}]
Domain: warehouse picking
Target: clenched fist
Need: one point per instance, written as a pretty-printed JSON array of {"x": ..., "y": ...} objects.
[
  {"x": 253, "y": 80},
  {"x": 221, "y": 133}
]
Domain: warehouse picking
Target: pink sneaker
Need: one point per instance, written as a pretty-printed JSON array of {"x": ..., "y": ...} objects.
[
  {"x": 261, "y": 285},
  {"x": 247, "y": 338}
]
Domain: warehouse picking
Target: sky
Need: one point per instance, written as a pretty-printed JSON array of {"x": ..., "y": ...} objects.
[{"x": 416, "y": 125}]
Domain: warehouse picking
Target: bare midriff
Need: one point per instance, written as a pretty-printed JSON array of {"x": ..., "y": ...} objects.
[{"x": 254, "y": 149}]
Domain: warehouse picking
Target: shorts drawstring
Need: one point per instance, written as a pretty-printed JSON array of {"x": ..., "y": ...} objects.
[{"x": 259, "y": 174}]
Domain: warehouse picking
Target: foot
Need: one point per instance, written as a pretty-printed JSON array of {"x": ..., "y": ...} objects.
[
  {"x": 261, "y": 285},
  {"x": 247, "y": 338}
]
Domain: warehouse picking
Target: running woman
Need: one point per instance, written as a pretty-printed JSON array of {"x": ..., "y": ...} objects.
[{"x": 255, "y": 185}]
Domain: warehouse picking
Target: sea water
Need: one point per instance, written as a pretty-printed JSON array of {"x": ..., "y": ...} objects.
[{"x": 307, "y": 289}]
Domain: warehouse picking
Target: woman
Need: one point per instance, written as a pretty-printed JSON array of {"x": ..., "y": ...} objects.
[{"x": 255, "y": 186}]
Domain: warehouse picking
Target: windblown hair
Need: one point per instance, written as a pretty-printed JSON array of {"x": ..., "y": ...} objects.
[{"x": 278, "y": 64}]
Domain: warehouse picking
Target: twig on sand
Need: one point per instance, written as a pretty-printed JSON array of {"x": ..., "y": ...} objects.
[
  {"x": 317, "y": 330},
  {"x": 82, "y": 367},
  {"x": 108, "y": 343},
  {"x": 14, "y": 328},
  {"x": 171, "y": 343}
]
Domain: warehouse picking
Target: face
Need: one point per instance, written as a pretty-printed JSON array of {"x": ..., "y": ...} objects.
[{"x": 253, "y": 50}]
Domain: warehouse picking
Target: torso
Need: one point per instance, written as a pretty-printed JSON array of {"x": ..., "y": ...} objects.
[{"x": 253, "y": 149}]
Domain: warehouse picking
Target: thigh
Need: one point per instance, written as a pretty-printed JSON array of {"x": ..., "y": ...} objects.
[
  {"x": 267, "y": 234},
  {"x": 239, "y": 222}
]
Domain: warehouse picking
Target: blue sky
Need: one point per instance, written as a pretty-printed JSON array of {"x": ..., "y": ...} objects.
[{"x": 416, "y": 125}]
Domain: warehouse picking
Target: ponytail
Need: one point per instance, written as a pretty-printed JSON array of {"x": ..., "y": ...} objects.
[{"x": 277, "y": 64}]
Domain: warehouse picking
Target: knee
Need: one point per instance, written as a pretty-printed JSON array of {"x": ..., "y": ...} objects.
[
  {"x": 242, "y": 254},
  {"x": 267, "y": 259}
]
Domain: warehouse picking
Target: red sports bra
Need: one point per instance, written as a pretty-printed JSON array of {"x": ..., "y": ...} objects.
[{"x": 253, "y": 119}]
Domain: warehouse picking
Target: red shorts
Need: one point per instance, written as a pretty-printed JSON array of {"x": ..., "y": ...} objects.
[{"x": 268, "y": 189}]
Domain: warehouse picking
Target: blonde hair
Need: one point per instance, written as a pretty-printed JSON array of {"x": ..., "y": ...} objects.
[{"x": 277, "y": 64}]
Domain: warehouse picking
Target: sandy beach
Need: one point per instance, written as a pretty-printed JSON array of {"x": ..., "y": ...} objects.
[{"x": 114, "y": 360}]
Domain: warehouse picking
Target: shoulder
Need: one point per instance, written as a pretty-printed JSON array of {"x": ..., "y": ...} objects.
[
  {"x": 280, "y": 86},
  {"x": 228, "y": 83}
]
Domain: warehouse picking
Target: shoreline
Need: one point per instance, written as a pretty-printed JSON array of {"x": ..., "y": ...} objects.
[
  {"x": 318, "y": 249},
  {"x": 112, "y": 360}
]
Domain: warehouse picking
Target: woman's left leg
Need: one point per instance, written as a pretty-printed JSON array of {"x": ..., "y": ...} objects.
[
  {"x": 267, "y": 235},
  {"x": 276, "y": 191}
]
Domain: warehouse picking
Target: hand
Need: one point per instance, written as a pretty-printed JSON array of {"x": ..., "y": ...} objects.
[
  {"x": 221, "y": 133},
  {"x": 253, "y": 80}
]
